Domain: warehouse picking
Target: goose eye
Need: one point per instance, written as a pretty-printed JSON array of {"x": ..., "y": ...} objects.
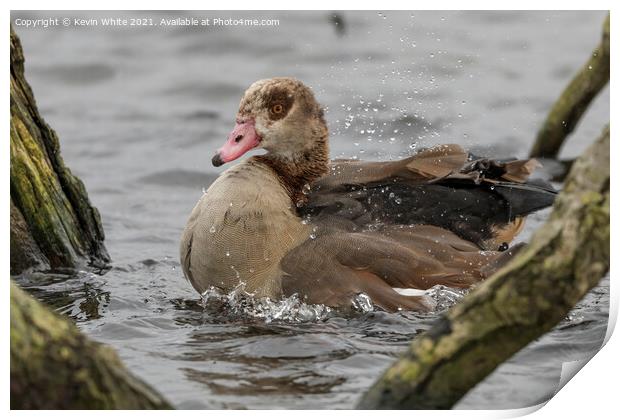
[{"x": 277, "y": 109}]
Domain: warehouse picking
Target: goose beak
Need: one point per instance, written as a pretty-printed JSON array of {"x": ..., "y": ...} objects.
[{"x": 243, "y": 138}]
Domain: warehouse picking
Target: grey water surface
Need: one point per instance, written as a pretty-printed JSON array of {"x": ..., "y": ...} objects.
[{"x": 140, "y": 110}]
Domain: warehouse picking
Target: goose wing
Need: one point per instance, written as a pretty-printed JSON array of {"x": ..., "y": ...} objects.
[
  {"x": 336, "y": 265},
  {"x": 481, "y": 200}
]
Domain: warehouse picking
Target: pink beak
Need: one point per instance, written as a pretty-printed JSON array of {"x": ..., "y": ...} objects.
[{"x": 243, "y": 138}]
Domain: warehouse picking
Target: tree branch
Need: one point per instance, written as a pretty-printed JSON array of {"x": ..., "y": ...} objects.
[{"x": 526, "y": 298}]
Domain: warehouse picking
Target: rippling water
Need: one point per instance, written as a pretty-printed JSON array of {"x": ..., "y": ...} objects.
[{"x": 139, "y": 112}]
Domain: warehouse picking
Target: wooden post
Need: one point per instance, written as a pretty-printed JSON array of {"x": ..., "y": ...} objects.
[
  {"x": 54, "y": 366},
  {"x": 53, "y": 223}
]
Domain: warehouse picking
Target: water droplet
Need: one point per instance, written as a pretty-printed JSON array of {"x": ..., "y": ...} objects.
[
  {"x": 362, "y": 303},
  {"x": 212, "y": 230},
  {"x": 313, "y": 233}
]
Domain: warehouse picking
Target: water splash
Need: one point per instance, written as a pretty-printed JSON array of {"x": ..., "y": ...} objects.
[
  {"x": 362, "y": 303},
  {"x": 241, "y": 303},
  {"x": 445, "y": 297}
]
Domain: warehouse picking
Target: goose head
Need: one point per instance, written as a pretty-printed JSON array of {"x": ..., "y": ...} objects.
[{"x": 279, "y": 115}]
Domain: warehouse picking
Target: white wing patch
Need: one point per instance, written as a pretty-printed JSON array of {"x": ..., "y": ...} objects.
[{"x": 409, "y": 292}]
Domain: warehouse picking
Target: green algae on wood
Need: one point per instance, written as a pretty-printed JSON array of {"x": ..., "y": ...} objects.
[
  {"x": 53, "y": 223},
  {"x": 526, "y": 298},
  {"x": 54, "y": 366},
  {"x": 570, "y": 106}
]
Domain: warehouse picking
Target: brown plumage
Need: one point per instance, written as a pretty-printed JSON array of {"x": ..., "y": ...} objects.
[{"x": 290, "y": 222}]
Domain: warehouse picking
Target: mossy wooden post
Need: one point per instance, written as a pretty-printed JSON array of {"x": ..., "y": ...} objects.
[
  {"x": 574, "y": 101},
  {"x": 54, "y": 366},
  {"x": 53, "y": 223},
  {"x": 529, "y": 296}
]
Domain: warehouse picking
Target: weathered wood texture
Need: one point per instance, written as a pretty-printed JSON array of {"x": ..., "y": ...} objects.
[
  {"x": 53, "y": 223},
  {"x": 529, "y": 296},
  {"x": 574, "y": 101},
  {"x": 54, "y": 366}
]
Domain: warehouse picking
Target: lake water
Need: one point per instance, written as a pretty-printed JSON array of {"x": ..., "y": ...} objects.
[{"x": 140, "y": 110}]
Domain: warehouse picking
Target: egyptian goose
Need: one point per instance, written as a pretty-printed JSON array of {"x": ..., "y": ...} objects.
[{"x": 292, "y": 222}]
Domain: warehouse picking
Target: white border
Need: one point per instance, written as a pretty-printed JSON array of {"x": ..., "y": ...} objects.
[{"x": 591, "y": 394}]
